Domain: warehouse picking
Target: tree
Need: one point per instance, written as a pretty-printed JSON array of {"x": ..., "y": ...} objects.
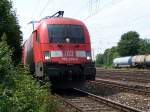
[
  {"x": 144, "y": 46},
  {"x": 109, "y": 55},
  {"x": 9, "y": 25},
  {"x": 129, "y": 44},
  {"x": 99, "y": 60},
  {"x": 106, "y": 59}
]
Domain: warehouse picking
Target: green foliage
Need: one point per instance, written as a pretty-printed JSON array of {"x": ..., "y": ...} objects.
[
  {"x": 109, "y": 55},
  {"x": 18, "y": 91},
  {"x": 99, "y": 60},
  {"x": 9, "y": 25},
  {"x": 144, "y": 46},
  {"x": 107, "y": 58},
  {"x": 129, "y": 44}
]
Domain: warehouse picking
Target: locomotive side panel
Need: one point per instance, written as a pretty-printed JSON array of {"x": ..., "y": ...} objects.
[
  {"x": 28, "y": 53},
  {"x": 38, "y": 61}
]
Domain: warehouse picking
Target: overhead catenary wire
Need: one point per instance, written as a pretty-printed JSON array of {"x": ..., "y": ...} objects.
[
  {"x": 47, "y": 3},
  {"x": 124, "y": 25},
  {"x": 97, "y": 10},
  {"x": 81, "y": 8},
  {"x": 37, "y": 2}
]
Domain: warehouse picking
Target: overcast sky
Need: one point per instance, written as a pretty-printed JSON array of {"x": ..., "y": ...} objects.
[{"x": 106, "y": 20}]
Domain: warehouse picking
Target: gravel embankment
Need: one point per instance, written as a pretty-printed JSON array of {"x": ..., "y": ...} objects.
[
  {"x": 133, "y": 100},
  {"x": 137, "y": 101}
]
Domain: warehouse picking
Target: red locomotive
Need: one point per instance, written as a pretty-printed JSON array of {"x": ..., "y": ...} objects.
[{"x": 60, "y": 48}]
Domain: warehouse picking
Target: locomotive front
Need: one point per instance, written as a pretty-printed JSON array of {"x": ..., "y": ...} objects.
[
  {"x": 61, "y": 49},
  {"x": 66, "y": 50}
]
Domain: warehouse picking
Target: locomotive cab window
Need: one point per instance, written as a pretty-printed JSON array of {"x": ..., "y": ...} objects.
[{"x": 62, "y": 33}]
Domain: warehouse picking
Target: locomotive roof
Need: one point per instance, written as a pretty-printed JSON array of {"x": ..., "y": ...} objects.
[{"x": 60, "y": 20}]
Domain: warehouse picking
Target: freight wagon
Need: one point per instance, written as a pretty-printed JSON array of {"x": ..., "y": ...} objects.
[
  {"x": 122, "y": 62},
  {"x": 140, "y": 61}
]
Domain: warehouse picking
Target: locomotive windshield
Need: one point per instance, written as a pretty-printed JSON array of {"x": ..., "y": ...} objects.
[{"x": 60, "y": 33}]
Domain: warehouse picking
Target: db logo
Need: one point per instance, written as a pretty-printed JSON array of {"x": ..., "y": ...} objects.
[{"x": 68, "y": 53}]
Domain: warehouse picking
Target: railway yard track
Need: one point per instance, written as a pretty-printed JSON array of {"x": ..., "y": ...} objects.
[
  {"x": 125, "y": 94},
  {"x": 83, "y": 101},
  {"x": 145, "y": 71},
  {"x": 111, "y": 94},
  {"x": 137, "y": 89},
  {"x": 142, "y": 77},
  {"x": 127, "y": 81}
]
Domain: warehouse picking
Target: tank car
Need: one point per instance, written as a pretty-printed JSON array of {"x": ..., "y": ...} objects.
[
  {"x": 122, "y": 62},
  {"x": 60, "y": 48},
  {"x": 138, "y": 60},
  {"x": 147, "y": 61}
]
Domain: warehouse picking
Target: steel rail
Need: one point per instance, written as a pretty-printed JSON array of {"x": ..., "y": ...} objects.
[
  {"x": 126, "y": 88},
  {"x": 69, "y": 104},
  {"x": 98, "y": 99},
  {"x": 113, "y": 104}
]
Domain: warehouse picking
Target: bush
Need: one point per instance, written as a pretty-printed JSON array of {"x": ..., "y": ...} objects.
[{"x": 18, "y": 91}]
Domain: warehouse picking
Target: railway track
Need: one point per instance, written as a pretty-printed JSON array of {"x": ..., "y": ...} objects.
[
  {"x": 135, "y": 72},
  {"x": 145, "y": 71},
  {"x": 142, "y": 90},
  {"x": 125, "y": 78},
  {"x": 141, "y": 77},
  {"x": 126, "y": 74},
  {"x": 83, "y": 101}
]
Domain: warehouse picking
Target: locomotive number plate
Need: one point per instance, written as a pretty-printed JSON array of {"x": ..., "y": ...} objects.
[{"x": 68, "y": 53}]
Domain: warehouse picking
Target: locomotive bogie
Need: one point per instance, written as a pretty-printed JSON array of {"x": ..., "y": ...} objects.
[{"x": 71, "y": 72}]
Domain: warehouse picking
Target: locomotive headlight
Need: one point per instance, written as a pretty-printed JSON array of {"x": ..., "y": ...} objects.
[
  {"x": 81, "y": 54},
  {"x": 47, "y": 55},
  {"x": 88, "y": 55},
  {"x": 56, "y": 53}
]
